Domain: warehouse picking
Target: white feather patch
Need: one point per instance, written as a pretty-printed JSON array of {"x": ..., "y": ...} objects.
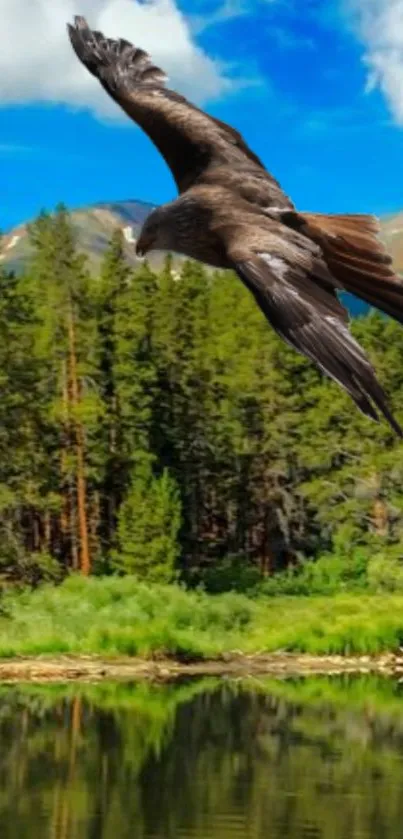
[{"x": 276, "y": 264}]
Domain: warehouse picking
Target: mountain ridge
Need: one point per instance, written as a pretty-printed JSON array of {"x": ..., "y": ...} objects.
[{"x": 93, "y": 226}]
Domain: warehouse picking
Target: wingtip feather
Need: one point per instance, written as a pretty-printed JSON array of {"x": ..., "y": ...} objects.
[
  {"x": 116, "y": 62},
  {"x": 79, "y": 25},
  {"x": 80, "y": 22}
]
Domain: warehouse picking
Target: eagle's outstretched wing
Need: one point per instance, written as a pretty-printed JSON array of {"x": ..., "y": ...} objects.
[
  {"x": 189, "y": 139},
  {"x": 292, "y": 284}
]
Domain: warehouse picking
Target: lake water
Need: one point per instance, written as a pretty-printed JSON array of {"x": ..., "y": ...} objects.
[{"x": 303, "y": 759}]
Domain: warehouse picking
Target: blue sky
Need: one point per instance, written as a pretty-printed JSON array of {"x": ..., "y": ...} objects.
[{"x": 318, "y": 95}]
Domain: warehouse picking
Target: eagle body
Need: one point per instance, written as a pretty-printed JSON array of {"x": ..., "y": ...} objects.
[
  {"x": 186, "y": 226},
  {"x": 232, "y": 213}
]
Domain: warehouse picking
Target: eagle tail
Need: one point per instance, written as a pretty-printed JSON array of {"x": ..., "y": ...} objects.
[
  {"x": 357, "y": 258},
  {"x": 112, "y": 61}
]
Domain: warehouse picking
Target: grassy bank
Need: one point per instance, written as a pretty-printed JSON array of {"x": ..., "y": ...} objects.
[{"x": 113, "y": 616}]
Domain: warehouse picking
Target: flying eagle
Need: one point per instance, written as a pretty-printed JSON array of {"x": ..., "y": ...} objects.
[{"x": 231, "y": 213}]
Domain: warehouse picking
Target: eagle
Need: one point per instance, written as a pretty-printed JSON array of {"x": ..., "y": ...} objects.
[{"x": 232, "y": 214}]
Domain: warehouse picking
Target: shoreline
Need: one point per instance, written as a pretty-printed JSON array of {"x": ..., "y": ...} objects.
[{"x": 45, "y": 669}]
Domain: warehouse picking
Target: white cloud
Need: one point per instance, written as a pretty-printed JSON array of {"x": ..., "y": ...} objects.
[
  {"x": 37, "y": 63},
  {"x": 380, "y": 25}
]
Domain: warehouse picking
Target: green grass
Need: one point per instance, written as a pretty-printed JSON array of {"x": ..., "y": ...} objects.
[{"x": 121, "y": 616}]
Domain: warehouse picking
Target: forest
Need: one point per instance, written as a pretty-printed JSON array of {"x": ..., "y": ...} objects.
[{"x": 155, "y": 425}]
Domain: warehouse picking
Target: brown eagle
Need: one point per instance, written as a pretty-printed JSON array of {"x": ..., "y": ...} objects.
[{"x": 231, "y": 213}]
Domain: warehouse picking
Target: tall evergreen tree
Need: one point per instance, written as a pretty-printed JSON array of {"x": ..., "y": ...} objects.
[
  {"x": 126, "y": 375},
  {"x": 65, "y": 342}
]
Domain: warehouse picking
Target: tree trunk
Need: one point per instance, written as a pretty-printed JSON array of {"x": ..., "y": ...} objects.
[
  {"x": 94, "y": 519},
  {"x": 47, "y": 533},
  {"x": 68, "y": 515},
  {"x": 380, "y": 517},
  {"x": 85, "y": 560}
]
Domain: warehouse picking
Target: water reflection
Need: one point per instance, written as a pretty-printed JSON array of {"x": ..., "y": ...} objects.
[{"x": 307, "y": 759}]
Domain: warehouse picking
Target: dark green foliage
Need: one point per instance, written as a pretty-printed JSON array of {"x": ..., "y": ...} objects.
[
  {"x": 126, "y": 376},
  {"x": 156, "y": 425}
]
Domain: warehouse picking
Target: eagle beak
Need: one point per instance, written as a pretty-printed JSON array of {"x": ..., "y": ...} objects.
[{"x": 144, "y": 244}]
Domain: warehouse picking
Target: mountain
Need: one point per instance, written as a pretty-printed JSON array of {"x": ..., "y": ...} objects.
[
  {"x": 94, "y": 226},
  {"x": 392, "y": 234}
]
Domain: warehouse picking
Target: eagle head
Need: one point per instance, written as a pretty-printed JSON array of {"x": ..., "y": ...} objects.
[
  {"x": 171, "y": 227},
  {"x": 155, "y": 233}
]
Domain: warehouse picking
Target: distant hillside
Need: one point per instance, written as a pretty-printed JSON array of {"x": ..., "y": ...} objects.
[
  {"x": 392, "y": 234},
  {"x": 94, "y": 226}
]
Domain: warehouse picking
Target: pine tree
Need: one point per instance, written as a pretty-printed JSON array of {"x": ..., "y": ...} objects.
[
  {"x": 126, "y": 375},
  {"x": 21, "y": 466},
  {"x": 149, "y": 523},
  {"x": 65, "y": 342}
]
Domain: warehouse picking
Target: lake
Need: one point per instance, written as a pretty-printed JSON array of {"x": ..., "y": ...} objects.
[{"x": 317, "y": 758}]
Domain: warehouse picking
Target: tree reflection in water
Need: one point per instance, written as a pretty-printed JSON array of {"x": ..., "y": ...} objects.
[{"x": 203, "y": 760}]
